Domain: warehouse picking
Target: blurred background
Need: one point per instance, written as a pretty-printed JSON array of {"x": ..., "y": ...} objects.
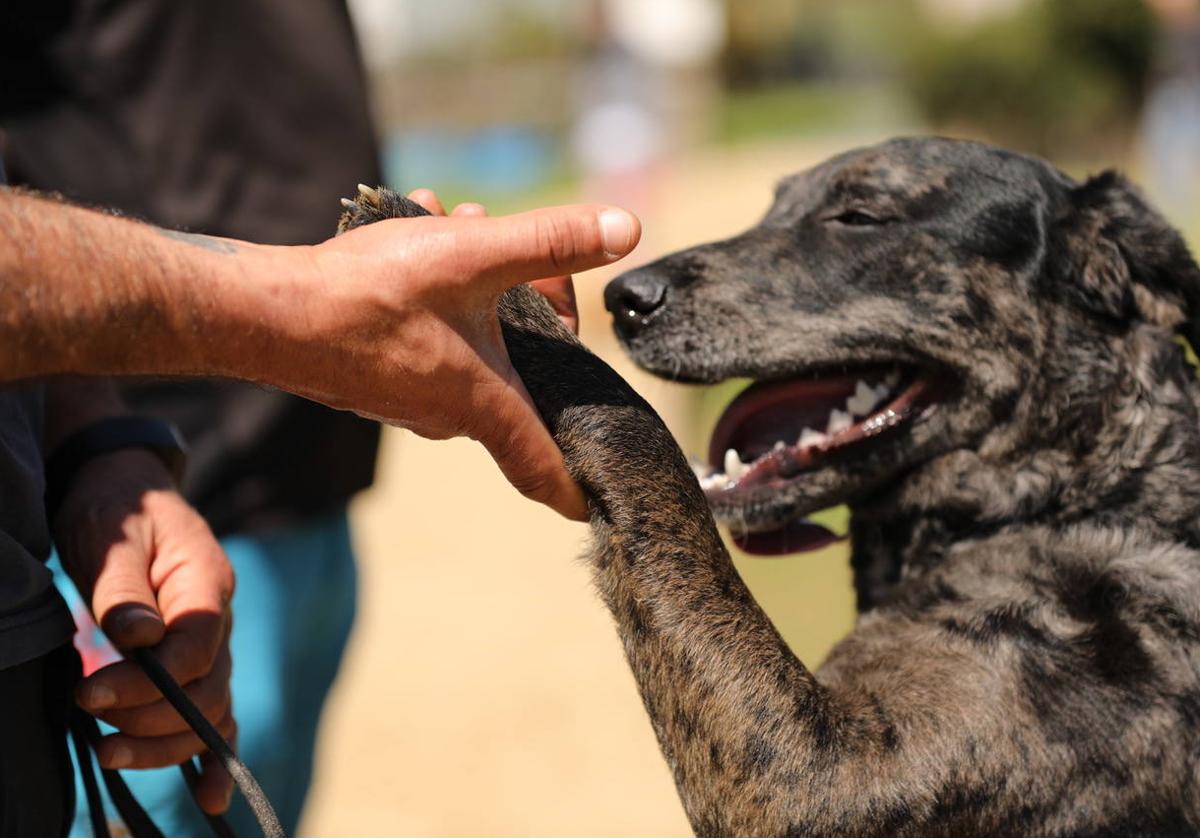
[{"x": 485, "y": 691}]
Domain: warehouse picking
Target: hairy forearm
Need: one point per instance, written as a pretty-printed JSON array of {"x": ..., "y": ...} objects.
[{"x": 88, "y": 293}]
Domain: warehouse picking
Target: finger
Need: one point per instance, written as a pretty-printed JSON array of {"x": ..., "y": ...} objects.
[
  {"x": 210, "y": 694},
  {"x": 215, "y": 789},
  {"x": 188, "y": 651},
  {"x": 428, "y": 199},
  {"x": 560, "y": 291},
  {"x": 123, "y": 600},
  {"x": 469, "y": 210},
  {"x": 527, "y": 455},
  {"x": 507, "y": 251},
  {"x": 122, "y": 751},
  {"x": 194, "y": 582}
]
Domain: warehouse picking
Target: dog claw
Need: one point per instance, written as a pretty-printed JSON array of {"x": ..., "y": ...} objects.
[
  {"x": 348, "y": 204},
  {"x": 367, "y": 192}
]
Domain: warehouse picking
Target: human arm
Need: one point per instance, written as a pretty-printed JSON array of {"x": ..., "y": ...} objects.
[{"x": 395, "y": 321}]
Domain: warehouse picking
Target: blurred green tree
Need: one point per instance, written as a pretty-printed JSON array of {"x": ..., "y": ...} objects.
[{"x": 1056, "y": 76}]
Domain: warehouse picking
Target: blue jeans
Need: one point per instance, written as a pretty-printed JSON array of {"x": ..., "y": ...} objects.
[{"x": 293, "y": 609}]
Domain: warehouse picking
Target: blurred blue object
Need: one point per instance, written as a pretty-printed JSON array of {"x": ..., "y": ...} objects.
[{"x": 497, "y": 160}]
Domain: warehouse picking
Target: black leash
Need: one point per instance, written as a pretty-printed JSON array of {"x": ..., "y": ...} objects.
[{"x": 86, "y": 732}]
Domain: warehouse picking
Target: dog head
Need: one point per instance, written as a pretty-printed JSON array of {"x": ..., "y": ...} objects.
[{"x": 902, "y": 302}]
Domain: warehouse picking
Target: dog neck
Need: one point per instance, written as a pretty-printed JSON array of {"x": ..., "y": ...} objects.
[{"x": 1126, "y": 456}]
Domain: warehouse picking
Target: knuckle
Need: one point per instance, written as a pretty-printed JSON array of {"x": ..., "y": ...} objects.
[
  {"x": 221, "y": 705},
  {"x": 185, "y": 747},
  {"x": 189, "y": 662},
  {"x": 228, "y": 728},
  {"x": 534, "y": 485},
  {"x": 557, "y": 240}
]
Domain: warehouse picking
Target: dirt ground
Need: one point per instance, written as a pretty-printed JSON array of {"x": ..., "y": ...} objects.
[{"x": 485, "y": 692}]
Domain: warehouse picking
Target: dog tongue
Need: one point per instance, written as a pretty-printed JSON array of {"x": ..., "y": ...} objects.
[{"x": 799, "y": 536}]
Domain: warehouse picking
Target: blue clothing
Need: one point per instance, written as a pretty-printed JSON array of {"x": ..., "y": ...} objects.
[{"x": 293, "y": 609}]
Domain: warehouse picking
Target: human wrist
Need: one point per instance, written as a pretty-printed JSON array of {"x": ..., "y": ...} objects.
[
  {"x": 126, "y": 477},
  {"x": 121, "y": 472},
  {"x": 74, "y": 402},
  {"x": 73, "y": 455},
  {"x": 301, "y": 307},
  {"x": 272, "y": 319},
  {"x": 243, "y": 314}
]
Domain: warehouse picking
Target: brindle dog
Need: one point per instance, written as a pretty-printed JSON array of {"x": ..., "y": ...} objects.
[{"x": 1022, "y": 462}]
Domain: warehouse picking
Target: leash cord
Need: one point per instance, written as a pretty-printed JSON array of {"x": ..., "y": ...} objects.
[{"x": 264, "y": 813}]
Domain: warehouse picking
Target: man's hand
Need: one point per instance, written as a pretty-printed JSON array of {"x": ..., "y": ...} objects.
[
  {"x": 558, "y": 290},
  {"x": 404, "y": 318},
  {"x": 396, "y": 320},
  {"x": 154, "y": 576}
]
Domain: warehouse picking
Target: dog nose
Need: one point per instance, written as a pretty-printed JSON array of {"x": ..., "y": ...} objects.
[{"x": 633, "y": 297}]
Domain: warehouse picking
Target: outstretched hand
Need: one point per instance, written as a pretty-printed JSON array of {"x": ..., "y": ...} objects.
[
  {"x": 558, "y": 290},
  {"x": 395, "y": 320},
  {"x": 405, "y": 327}
]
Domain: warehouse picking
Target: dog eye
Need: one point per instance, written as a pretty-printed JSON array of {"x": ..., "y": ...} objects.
[{"x": 856, "y": 218}]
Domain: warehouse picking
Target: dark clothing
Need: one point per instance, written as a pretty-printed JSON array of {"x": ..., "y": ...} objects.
[
  {"x": 220, "y": 117},
  {"x": 33, "y": 618},
  {"x": 37, "y": 781}
]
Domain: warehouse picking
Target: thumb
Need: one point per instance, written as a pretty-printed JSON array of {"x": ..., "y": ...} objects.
[
  {"x": 122, "y": 599},
  {"x": 513, "y": 249},
  {"x": 525, "y": 452}
]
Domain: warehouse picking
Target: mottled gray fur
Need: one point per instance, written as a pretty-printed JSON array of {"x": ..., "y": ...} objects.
[{"x": 1026, "y": 662}]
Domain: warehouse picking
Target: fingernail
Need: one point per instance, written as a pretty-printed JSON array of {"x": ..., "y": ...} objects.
[
  {"x": 120, "y": 756},
  {"x": 133, "y": 625},
  {"x": 616, "y": 232},
  {"x": 99, "y": 697},
  {"x": 131, "y": 615}
]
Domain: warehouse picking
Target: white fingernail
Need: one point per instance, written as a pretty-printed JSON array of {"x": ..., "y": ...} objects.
[{"x": 616, "y": 232}]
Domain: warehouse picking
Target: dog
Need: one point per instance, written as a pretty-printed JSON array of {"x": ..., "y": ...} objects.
[{"x": 979, "y": 356}]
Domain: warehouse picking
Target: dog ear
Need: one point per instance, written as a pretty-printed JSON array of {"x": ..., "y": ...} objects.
[{"x": 1127, "y": 261}]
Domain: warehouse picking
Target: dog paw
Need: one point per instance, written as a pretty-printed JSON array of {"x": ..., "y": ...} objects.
[{"x": 376, "y": 204}]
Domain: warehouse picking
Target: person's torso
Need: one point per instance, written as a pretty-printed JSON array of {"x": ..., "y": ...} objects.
[{"x": 241, "y": 118}]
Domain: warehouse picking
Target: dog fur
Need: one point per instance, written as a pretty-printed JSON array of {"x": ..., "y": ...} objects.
[{"x": 1026, "y": 661}]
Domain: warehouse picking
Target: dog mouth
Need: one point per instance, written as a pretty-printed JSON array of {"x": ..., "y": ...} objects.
[{"x": 776, "y": 432}]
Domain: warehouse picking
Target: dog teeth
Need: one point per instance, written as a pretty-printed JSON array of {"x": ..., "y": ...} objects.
[
  {"x": 839, "y": 420},
  {"x": 811, "y": 439},
  {"x": 734, "y": 467},
  {"x": 863, "y": 400}
]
